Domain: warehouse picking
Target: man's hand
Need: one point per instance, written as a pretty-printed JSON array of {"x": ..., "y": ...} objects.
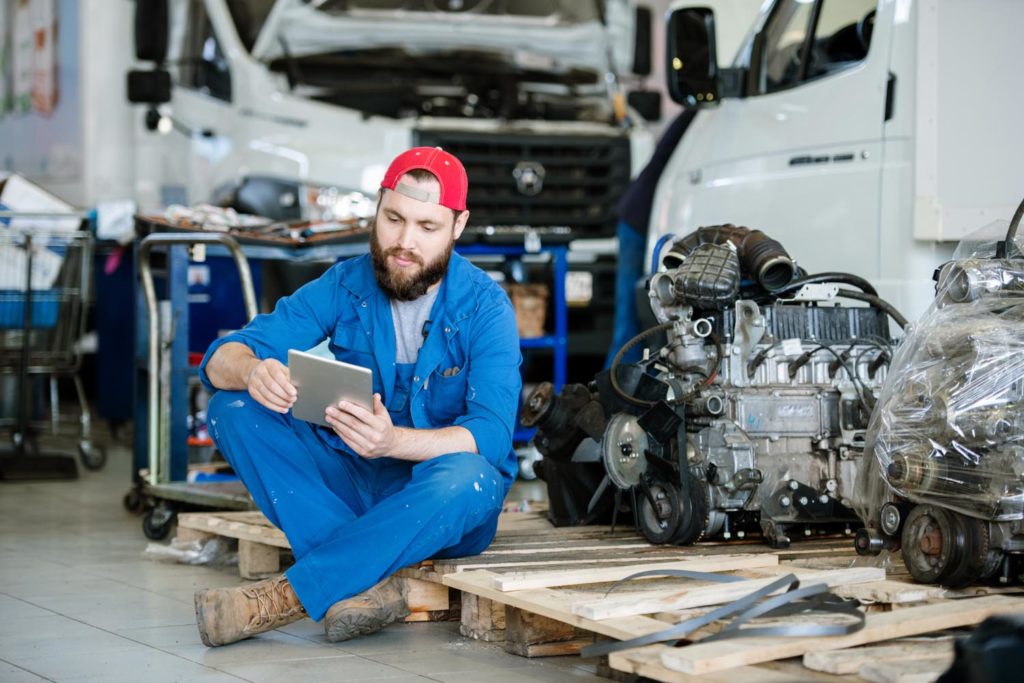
[
  {"x": 371, "y": 435},
  {"x": 269, "y": 382}
]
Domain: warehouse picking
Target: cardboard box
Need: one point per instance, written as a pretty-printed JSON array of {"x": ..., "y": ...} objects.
[{"x": 531, "y": 306}]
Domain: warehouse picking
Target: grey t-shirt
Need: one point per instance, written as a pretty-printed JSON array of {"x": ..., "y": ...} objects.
[{"x": 410, "y": 317}]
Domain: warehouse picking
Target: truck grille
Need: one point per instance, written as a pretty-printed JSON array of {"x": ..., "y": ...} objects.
[{"x": 583, "y": 178}]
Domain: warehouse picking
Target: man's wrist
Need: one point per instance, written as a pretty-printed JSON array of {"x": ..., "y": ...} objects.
[
  {"x": 401, "y": 441},
  {"x": 252, "y": 364}
]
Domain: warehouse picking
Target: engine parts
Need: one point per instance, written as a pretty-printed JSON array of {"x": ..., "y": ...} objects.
[
  {"x": 947, "y": 437},
  {"x": 749, "y": 410}
]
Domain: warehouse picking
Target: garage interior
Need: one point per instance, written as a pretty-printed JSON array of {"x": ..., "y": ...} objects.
[{"x": 756, "y": 264}]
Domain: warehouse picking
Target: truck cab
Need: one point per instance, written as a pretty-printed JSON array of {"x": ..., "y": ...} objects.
[{"x": 844, "y": 133}]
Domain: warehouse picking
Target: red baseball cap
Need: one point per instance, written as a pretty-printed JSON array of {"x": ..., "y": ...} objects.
[{"x": 448, "y": 170}]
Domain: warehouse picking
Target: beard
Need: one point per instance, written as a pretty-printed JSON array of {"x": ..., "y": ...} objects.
[{"x": 399, "y": 284}]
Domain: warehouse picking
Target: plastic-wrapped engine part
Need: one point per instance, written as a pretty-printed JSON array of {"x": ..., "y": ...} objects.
[
  {"x": 946, "y": 484},
  {"x": 948, "y": 428}
]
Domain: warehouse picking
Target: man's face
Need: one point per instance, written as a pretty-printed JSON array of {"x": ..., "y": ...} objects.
[{"x": 412, "y": 241}]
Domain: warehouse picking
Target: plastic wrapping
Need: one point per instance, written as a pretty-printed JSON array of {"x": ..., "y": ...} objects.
[
  {"x": 949, "y": 425},
  {"x": 216, "y": 552}
]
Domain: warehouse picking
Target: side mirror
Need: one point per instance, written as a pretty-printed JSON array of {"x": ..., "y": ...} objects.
[
  {"x": 149, "y": 87},
  {"x": 151, "y": 28},
  {"x": 642, "y": 43},
  {"x": 647, "y": 103},
  {"x": 692, "y": 68}
]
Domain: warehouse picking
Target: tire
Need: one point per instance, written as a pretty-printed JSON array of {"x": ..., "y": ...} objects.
[
  {"x": 157, "y": 523},
  {"x": 93, "y": 457}
]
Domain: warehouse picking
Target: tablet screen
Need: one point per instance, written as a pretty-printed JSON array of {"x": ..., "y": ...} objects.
[{"x": 324, "y": 381}]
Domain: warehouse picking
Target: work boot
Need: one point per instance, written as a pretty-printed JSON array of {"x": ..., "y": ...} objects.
[
  {"x": 368, "y": 612},
  {"x": 225, "y": 615}
]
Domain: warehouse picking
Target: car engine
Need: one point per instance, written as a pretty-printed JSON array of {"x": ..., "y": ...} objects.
[{"x": 748, "y": 411}]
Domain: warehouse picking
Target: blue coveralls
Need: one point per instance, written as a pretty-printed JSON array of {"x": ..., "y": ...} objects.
[{"x": 350, "y": 520}]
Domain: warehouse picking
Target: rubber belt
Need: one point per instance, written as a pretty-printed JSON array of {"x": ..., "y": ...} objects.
[{"x": 795, "y": 600}]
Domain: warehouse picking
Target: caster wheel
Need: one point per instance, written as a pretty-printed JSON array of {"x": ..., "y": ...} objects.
[
  {"x": 157, "y": 523},
  {"x": 92, "y": 457},
  {"x": 133, "y": 501}
]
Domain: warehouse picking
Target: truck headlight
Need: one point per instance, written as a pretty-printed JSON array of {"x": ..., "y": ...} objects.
[{"x": 326, "y": 203}]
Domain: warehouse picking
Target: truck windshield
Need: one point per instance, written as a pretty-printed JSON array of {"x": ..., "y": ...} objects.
[{"x": 425, "y": 61}]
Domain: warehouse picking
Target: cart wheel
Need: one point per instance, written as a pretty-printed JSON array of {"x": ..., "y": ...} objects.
[
  {"x": 27, "y": 442},
  {"x": 93, "y": 457},
  {"x": 158, "y": 522},
  {"x": 133, "y": 500}
]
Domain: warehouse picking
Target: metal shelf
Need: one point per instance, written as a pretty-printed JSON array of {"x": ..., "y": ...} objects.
[{"x": 559, "y": 341}]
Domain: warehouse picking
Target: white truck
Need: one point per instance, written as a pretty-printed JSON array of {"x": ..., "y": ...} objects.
[
  {"x": 292, "y": 109},
  {"x": 867, "y": 136}
]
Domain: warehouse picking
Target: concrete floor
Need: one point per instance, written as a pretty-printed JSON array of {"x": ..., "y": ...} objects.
[{"x": 79, "y": 602}]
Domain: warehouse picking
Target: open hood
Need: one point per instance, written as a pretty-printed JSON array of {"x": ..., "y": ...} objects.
[{"x": 548, "y": 35}]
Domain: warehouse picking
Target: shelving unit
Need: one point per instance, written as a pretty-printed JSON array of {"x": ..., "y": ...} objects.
[{"x": 558, "y": 340}]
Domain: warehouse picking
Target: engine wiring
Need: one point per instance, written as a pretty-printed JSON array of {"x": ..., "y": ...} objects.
[
  {"x": 613, "y": 370},
  {"x": 626, "y": 396}
]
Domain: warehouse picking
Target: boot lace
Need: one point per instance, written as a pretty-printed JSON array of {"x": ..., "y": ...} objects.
[{"x": 272, "y": 604}]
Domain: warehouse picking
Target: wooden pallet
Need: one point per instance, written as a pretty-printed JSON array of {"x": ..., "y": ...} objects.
[
  {"x": 575, "y": 596},
  {"x": 528, "y": 559},
  {"x": 541, "y": 591},
  {"x": 261, "y": 546}
]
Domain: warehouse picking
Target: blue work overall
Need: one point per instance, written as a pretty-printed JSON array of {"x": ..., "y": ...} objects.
[{"x": 350, "y": 520}]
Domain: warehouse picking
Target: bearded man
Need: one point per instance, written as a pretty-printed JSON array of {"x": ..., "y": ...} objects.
[{"x": 423, "y": 474}]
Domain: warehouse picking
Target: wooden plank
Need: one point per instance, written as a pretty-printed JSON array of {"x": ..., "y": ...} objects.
[
  {"x": 482, "y": 619},
  {"x": 257, "y": 560},
  {"x": 531, "y": 635},
  {"x": 905, "y": 671},
  {"x": 704, "y": 657},
  {"x": 185, "y": 535},
  {"x": 426, "y": 596},
  {"x": 234, "y": 527},
  {"x": 550, "y": 603},
  {"x": 704, "y": 594},
  {"x": 850, "y": 661},
  {"x": 522, "y": 581},
  {"x": 568, "y": 559},
  {"x": 646, "y": 661},
  {"x": 890, "y": 592},
  {"x": 559, "y": 648},
  {"x": 573, "y": 531}
]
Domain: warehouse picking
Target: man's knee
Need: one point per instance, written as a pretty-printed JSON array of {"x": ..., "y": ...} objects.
[
  {"x": 464, "y": 474},
  {"x": 232, "y": 412}
]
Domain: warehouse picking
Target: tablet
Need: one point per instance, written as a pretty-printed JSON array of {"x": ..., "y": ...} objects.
[{"x": 324, "y": 381}]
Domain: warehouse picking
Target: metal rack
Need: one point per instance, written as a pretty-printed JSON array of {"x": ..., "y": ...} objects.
[
  {"x": 558, "y": 340},
  {"x": 160, "y": 430},
  {"x": 44, "y": 291}
]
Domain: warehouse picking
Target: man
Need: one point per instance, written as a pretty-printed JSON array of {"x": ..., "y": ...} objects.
[{"x": 423, "y": 474}]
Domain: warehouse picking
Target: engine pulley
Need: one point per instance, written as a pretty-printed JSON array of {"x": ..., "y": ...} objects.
[
  {"x": 946, "y": 547},
  {"x": 623, "y": 450}
]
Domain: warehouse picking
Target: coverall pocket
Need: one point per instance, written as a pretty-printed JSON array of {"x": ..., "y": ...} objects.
[{"x": 447, "y": 397}]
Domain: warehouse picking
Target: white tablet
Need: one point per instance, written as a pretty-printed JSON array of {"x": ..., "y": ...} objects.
[{"x": 324, "y": 381}]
